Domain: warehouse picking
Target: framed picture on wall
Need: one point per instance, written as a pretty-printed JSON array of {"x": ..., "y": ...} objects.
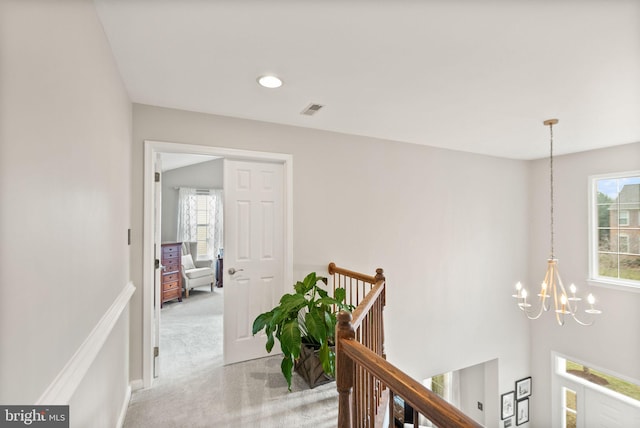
[
  {"x": 507, "y": 423},
  {"x": 523, "y": 388},
  {"x": 508, "y": 405},
  {"x": 522, "y": 411}
]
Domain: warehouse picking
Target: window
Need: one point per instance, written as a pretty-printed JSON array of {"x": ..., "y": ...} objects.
[
  {"x": 203, "y": 201},
  {"x": 444, "y": 386},
  {"x": 439, "y": 385},
  {"x": 598, "y": 377},
  {"x": 200, "y": 220},
  {"x": 623, "y": 243},
  {"x": 584, "y": 396},
  {"x": 615, "y": 229},
  {"x": 624, "y": 218},
  {"x": 570, "y": 408}
]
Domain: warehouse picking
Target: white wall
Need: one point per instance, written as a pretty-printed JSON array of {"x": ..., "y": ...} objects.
[
  {"x": 472, "y": 391},
  {"x": 205, "y": 175},
  {"x": 612, "y": 342},
  {"x": 65, "y": 185},
  {"x": 447, "y": 227}
]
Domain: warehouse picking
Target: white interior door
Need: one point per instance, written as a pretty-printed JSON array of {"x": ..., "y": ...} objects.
[{"x": 254, "y": 249}]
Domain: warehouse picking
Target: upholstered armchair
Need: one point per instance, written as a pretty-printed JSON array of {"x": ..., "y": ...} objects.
[{"x": 195, "y": 273}]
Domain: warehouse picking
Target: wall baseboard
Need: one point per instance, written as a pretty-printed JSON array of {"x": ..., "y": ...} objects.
[
  {"x": 136, "y": 384},
  {"x": 125, "y": 406},
  {"x": 60, "y": 391}
]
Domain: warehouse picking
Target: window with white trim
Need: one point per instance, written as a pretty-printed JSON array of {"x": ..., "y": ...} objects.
[
  {"x": 624, "y": 218},
  {"x": 203, "y": 223},
  {"x": 615, "y": 228},
  {"x": 623, "y": 243},
  {"x": 589, "y": 377},
  {"x": 570, "y": 408},
  {"x": 200, "y": 220}
]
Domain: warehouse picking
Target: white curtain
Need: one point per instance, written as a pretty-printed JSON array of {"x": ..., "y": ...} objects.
[
  {"x": 216, "y": 227},
  {"x": 188, "y": 218},
  {"x": 187, "y": 215}
]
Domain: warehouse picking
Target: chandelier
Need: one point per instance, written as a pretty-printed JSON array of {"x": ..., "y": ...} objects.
[{"x": 563, "y": 303}]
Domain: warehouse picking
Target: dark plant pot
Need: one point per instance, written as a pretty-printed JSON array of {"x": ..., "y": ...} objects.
[{"x": 309, "y": 367}]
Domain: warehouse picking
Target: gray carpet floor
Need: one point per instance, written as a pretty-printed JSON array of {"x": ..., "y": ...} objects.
[{"x": 195, "y": 389}]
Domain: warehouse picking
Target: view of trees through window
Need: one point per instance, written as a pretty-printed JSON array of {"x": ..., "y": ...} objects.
[
  {"x": 438, "y": 385},
  {"x": 570, "y": 408},
  {"x": 618, "y": 227},
  {"x": 603, "y": 379}
]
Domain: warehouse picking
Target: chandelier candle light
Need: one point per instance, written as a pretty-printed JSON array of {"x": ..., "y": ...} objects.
[{"x": 564, "y": 303}]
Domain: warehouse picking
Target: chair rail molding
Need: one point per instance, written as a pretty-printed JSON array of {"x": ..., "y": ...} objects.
[{"x": 64, "y": 385}]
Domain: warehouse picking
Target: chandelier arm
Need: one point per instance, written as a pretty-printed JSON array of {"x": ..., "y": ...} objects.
[
  {"x": 534, "y": 317},
  {"x": 528, "y": 310},
  {"x": 553, "y": 267},
  {"x": 557, "y": 281},
  {"x": 552, "y": 272},
  {"x": 559, "y": 319},
  {"x": 581, "y": 322},
  {"x": 546, "y": 290},
  {"x": 562, "y": 289}
]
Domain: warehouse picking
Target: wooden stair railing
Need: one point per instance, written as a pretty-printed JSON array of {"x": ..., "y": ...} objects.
[
  {"x": 365, "y": 381},
  {"x": 367, "y": 294}
]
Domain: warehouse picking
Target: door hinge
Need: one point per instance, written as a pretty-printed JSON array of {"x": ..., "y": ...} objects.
[
  {"x": 157, "y": 177},
  {"x": 156, "y": 264},
  {"x": 156, "y": 351}
]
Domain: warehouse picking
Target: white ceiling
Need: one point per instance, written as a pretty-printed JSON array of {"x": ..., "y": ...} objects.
[{"x": 477, "y": 76}]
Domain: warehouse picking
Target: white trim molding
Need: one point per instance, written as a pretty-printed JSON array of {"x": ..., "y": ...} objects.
[
  {"x": 153, "y": 147},
  {"x": 136, "y": 384},
  {"x": 125, "y": 407},
  {"x": 65, "y": 384}
]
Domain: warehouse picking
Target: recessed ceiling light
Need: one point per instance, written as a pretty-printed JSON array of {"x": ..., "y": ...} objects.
[{"x": 269, "y": 81}]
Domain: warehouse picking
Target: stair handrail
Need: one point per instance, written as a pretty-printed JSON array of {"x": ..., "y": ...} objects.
[
  {"x": 355, "y": 359},
  {"x": 424, "y": 401}
]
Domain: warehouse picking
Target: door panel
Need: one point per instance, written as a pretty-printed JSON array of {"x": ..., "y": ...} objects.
[
  {"x": 254, "y": 247},
  {"x": 604, "y": 411}
]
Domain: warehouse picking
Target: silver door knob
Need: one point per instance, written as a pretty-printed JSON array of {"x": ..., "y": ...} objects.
[{"x": 234, "y": 270}]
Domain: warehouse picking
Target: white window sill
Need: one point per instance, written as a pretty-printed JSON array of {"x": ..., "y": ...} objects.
[{"x": 615, "y": 285}]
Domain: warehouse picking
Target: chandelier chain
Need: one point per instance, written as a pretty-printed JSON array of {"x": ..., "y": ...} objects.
[{"x": 551, "y": 192}]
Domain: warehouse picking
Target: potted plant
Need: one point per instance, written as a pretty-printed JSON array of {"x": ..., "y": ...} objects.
[{"x": 304, "y": 322}]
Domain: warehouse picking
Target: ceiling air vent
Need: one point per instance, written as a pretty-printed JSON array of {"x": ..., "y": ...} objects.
[{"x": 311, "y": 109}]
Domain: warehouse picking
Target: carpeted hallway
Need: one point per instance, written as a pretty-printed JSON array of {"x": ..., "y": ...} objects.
[{"x": 194, "y": 389}]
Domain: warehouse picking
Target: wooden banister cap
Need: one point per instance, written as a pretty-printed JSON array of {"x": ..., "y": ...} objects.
[
  {"x": 332, "y": 268},
  {"x": 344, "y": 317}
]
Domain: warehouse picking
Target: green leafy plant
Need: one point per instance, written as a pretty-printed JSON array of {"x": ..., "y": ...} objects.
[{"x": 304, "y": 317}]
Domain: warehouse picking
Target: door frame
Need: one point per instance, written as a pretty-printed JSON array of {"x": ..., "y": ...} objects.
[
  {"x": 582, "y": 388},
  {"x": 151, "y": 148}
]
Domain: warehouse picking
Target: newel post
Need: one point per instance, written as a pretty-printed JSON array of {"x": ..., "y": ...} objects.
[{"x": 344, "y": 369}]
